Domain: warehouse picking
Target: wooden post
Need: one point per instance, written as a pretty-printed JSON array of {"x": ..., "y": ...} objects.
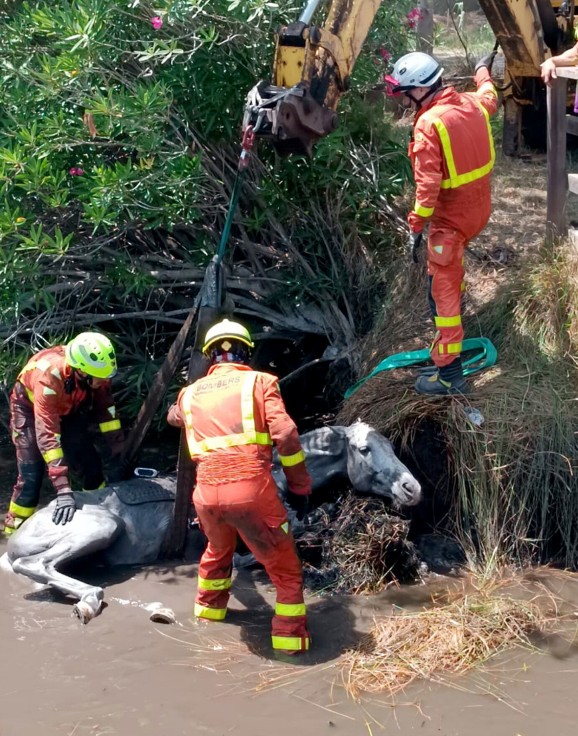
[
  {"x": 425, "y": 26},
  {"x": 211, "y": 301},
  {"x": 557, "y": 180}
]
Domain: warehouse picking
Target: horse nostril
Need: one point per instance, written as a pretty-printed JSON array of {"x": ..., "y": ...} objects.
[{"x": 412, "y": 487}]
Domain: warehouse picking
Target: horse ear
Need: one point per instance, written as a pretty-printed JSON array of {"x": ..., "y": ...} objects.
[{"x": 338, "y": 430}]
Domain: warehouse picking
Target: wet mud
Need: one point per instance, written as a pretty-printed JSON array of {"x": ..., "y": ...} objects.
[{"x": 123, "y": 674}]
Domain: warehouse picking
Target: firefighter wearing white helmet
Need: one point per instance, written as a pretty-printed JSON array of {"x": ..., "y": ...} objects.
[
  {"x": 58, "y": 393},
  {"x": 452, "y": 155},
  {"x": 232, "y": 419},
  {"x": 415, "y": 71}
]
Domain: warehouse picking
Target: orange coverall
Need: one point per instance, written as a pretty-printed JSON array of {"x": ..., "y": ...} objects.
[
  {"x": 232, "y": 418},
  {"x": 452, "y": 155},
  {"x": 46, "y": 391}
]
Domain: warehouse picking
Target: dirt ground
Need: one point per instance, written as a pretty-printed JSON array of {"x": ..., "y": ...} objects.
[{"x": 122, "y": 674}]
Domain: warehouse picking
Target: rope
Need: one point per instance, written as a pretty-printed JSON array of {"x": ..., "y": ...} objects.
[{"x": 246, "y": 148}]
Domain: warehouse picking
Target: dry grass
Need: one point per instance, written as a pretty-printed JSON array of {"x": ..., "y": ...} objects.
[{"x": 440, "y": 642}]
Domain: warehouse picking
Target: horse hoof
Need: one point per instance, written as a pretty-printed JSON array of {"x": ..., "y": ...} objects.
[
  {"x": 243, "y": 561},
  {"x": 163, "y": 616},
  {"x": 83, "y": 611}
]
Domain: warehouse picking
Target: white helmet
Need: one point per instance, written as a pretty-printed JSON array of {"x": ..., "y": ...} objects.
[{"x": 413, "y": 70}]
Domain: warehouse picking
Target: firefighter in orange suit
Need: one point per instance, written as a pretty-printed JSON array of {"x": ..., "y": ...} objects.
[
  {"x": 452, "y": 155},
  {"x": 232, "y": 418},
  {"x": 56, "y": 394}
]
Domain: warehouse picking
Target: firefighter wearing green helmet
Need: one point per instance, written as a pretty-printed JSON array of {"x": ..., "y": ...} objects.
[{"x": 56, "y": 397}]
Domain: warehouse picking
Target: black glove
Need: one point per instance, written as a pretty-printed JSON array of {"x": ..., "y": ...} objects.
[
  {"x": 415, "y": 240},
  {"x": 486, "y": 61},
  {"x": 65, "y": 508},
  {"x": 299, "y": 504}
]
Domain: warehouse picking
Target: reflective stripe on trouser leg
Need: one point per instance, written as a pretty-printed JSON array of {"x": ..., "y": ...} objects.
[
  {"x": 26, "y": 492},
  {"x": 275, "y": 549},
  {"x": 215, "y": 567},
  {"x": 212, "y": 614},
  {"x": 445, "y": 293},
  {"x": 31, "y": 466},
  {"x": 16, "y": 516},
  {"x": 290, "y": 627},
  {"x": 262, "y": 525}
]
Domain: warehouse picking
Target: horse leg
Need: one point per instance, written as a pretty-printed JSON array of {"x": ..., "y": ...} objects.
[{"x": 88, "y": 533}]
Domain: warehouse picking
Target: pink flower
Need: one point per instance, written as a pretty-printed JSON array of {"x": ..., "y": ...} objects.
[
  {"x": 76, "y": 171},
  {"x": 385, "y": 55},
  {"x": 156, "y": 22},
  {"x": 413, "y": 17}
]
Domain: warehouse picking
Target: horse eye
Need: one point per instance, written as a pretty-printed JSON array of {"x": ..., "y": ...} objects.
[{"x": 364, "y": 450}]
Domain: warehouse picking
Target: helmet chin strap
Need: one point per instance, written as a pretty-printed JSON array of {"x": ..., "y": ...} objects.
[{"x": 431, "y": 91}]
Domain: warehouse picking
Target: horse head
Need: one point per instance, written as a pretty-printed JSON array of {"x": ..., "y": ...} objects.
[{"x": 373, "y": 467}]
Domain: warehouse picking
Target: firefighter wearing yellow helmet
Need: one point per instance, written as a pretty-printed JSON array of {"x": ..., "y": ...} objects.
[{"x": 232, "y": 418}]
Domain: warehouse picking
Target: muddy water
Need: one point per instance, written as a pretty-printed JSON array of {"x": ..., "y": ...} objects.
[{"x": 122, "y": 674}]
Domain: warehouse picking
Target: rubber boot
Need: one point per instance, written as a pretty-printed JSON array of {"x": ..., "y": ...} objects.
[{"x": 447, "y": 380}]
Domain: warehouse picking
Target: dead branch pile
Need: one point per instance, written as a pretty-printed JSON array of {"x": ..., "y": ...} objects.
[
  {"x": 437, "y": 643},
  {"x": 363, "y": 548}
]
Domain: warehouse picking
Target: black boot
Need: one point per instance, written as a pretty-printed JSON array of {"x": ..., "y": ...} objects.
[{"x": 445, "y": 381}]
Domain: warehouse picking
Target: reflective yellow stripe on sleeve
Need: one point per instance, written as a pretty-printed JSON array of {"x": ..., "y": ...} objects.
[
  {"x": 290, "y": 609},
  {"x": 214, "y": 584},
  {"x": 487, "y": 87},
  {"x": 50, "y": 455},
  {"x": 111, "y": 426},
  {"x": 421, "y": 210},
  {"x": 287, "y": 461}
]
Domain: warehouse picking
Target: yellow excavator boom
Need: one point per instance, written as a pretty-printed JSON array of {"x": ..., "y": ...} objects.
[
  {"x": 518, "y": 29},
  {"x": 311, "y": 71}
]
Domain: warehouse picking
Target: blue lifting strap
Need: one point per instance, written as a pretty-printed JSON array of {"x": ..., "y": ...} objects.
[{"x": 484, "y": 356}]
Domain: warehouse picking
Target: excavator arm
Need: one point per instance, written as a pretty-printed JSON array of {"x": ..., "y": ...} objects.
[
  {"x": 529, "y": 31},
  {"x": 311, "y": 70}
]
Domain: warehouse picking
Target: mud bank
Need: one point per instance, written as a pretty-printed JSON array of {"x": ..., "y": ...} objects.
[{"x": 124, "y": 675}]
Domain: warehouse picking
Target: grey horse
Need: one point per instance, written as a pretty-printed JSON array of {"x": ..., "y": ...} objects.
[{"x": 127, "y": 522}]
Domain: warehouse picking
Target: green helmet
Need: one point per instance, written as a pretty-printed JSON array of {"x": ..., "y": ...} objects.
[
  {"x": 93, "y": 354},
  {"x": 226, "y": 329}
]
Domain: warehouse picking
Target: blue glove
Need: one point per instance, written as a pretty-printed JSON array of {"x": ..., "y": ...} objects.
[{"x": 65, "y": 508}]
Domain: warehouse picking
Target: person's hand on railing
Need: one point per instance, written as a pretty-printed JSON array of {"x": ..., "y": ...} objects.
[{"x": 548, "y": 71}]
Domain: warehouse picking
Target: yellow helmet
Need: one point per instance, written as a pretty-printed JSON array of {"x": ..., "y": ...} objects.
[
  {"x": 226, "y": 329},
  {"x": 93, "y": 354}
]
